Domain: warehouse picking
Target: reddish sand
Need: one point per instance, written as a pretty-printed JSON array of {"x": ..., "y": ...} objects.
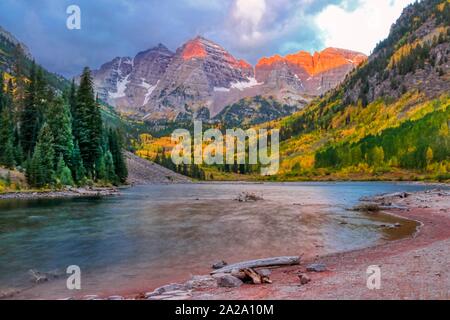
[{"x": 415, "y": 268}]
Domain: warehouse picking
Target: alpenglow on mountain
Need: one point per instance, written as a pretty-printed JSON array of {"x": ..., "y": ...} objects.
[{"x": 201, "y": 78}]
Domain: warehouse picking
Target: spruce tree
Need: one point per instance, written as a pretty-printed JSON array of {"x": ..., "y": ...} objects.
[
  {"x": 116, "y": 148},
  {"x": 59, "y": 121},
  {"x": 88, "y": 122},
  {"x": 29, "y": 118},
  {"x": 63, "y": 173},
  {"x": 109, "y": 168},
  {"x": 78, "y": 171},
  {"x": 6, "y": 139},
  {"x": 72, "y": 100},
  {"x": 42, "y": 163},
  {"x": 101, "y": 169}
]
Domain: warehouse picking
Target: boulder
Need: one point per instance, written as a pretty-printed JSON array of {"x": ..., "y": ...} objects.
[
  {"x": 316, "y": 267},
  {"x": 227, "y": 281},
  {"x": 219, "y": 265},
  {"x": 264, "y": 272},
  {"x": 201, "y": 282},
  {"x": 166, "y": 288}
]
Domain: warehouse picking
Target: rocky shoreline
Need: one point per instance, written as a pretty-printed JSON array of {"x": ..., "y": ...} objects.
[{"x": 59, "y": 194}]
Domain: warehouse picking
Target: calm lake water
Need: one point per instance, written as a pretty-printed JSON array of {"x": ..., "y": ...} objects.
[{"x": 154, "y": 235}]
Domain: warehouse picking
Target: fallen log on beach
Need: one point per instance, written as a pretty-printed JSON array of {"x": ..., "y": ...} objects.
[
  {"x": 256, "y": 277},
  {"x": 269, "y": 262}
]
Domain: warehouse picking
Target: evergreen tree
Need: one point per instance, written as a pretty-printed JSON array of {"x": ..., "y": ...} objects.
[
  {"x": 79, "y": 173},
  {"x": 109, "y": 168},
  {"x": 88, "y": 122},
  {"x": 116, "y": 148},
  {"x": 35, "y": 101},
  {"x": 18, "y": 150},
  {"x": 72, "y": 100},
  {"x": 42, "y": 164},
  {"x": 63, "y": 173},
  {"x": 6, "y": 139},
  {"x": 101, "y": 169},
  {"x": 59, "y": 121}
]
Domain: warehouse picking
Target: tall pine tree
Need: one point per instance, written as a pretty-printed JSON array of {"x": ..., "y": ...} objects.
[
  {"x": 6, "y": 139},
  {"x": 77, "y": 166},
  {"x": 31, "y": 116},
  {"x": 43, "y": 162},
  {"x": 116, "y": 148},
  {"x": 88, "y": 123},
  {"x": 60, "y": 123}
]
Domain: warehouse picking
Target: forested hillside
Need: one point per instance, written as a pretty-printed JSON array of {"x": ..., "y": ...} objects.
[
  {"x": 14, "y": 54},
  {"x": 389, "y": 119},
  {"x": 56, "y": 138}
]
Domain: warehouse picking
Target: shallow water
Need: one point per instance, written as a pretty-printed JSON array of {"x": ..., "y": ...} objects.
[{"x": 153, "y": 235}]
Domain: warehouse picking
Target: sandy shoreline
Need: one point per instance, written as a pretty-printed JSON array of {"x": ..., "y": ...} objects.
[{"x": 413, "y": 268}]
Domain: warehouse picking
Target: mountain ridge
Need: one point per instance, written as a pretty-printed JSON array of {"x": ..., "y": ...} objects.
[{"x": 202, "y": 74}]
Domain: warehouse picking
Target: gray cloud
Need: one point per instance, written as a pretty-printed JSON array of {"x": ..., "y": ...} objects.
[{"x": 124, "y": 27}]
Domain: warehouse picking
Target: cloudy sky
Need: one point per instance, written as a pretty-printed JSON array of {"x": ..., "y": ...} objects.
[{"x": 249, "y": 29}]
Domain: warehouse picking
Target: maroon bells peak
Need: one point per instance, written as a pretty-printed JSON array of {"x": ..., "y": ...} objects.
[{"x": 201, "y": 75}]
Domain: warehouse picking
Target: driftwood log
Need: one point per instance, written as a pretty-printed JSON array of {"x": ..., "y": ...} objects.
[
  {"x": 256, "y": 277},
  {"x": 270, "y": 262}
]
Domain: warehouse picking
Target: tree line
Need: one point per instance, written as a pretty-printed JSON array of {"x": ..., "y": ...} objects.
[
  {"x": 422, "y": 145},
  {"x": 57, "y": 138}
]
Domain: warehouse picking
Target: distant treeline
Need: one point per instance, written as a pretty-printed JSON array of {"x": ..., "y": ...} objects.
[{"x": 419, "y": 145}]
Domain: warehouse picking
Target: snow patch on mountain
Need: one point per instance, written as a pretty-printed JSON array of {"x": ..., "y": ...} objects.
[
  {"x": 121, "y": 88},
  {"x": 242, "y": 85},
  {"x": 150, "y": 90},
  {"x": 221, "y": 89}
]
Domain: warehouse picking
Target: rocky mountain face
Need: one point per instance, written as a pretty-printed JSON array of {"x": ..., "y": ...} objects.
[
  {"x": 200, "y": 73},
  {"x": 201, "y": 78},
  {"x": 306, "y": 73},
  {"x": 128, "y": 83}
]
